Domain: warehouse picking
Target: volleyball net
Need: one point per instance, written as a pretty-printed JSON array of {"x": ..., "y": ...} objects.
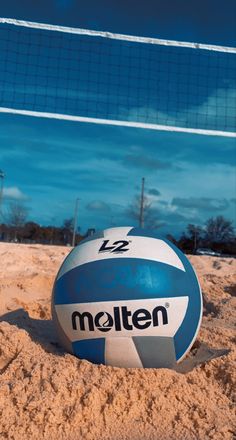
[{"x": 106, "y": 78}]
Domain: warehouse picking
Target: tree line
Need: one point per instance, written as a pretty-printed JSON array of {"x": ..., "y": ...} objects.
[
  {"x": 16, "y": 228},
  {"x": 217, "y": 234}
]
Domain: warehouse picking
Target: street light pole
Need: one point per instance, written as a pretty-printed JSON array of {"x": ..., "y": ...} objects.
[
  {"x": 1, "y": 197},
  {"x": 1, "y": 191},
  {"x": 75, "y": 221}
]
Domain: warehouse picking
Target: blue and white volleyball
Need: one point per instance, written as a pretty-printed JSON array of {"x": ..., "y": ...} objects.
[{"x": 127, "y": 298}]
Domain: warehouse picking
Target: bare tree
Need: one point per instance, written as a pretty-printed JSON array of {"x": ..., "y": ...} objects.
[
  {"x": 194, "y": 233},
  {"x": 17, "y": 214},
  {"x": 134, "y": 208},
  {"x": 68, "y": 224},
  {"x": 219, "y": 230},
  {"x": 67, "y": 228},
  {"x": 149, "y": 213}
]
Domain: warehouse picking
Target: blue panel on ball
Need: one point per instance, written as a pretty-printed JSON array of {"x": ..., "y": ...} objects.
[
  {"x": 91, "y": 349},
  {"x": 122, "y": 279}
]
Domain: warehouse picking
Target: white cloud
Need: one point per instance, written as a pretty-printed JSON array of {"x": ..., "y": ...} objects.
[
  {"x": 14, "y": 193},
  {"x": 216, "y": 112},
  {"x": 98, "y": 205}
]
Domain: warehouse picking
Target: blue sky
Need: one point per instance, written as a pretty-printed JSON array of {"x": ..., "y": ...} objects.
[{"x": 49, "y": 163}]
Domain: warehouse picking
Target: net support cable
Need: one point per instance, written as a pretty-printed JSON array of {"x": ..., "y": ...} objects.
[
  {"x": 118, "y": 123},
  {"x": 115, "y": 36}
]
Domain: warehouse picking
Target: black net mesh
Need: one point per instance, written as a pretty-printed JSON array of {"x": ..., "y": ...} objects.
[{"x": 94, "y": 77}]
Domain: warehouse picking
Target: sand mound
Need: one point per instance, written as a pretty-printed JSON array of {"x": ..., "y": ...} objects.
[{"x": 46, "y": 393}]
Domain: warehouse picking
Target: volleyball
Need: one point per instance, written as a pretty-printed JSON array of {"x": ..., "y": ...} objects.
[{"x": 126, "y": 297}]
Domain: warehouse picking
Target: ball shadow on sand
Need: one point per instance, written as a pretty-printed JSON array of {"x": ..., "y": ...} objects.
[{"x": 41, "y": 331}]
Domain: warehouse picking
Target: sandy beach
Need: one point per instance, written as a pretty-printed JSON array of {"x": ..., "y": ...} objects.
[{"x": 46, "y": 393}]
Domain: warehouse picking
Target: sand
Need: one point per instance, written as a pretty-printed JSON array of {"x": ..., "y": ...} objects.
[{"x": 46, "y": 393}]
